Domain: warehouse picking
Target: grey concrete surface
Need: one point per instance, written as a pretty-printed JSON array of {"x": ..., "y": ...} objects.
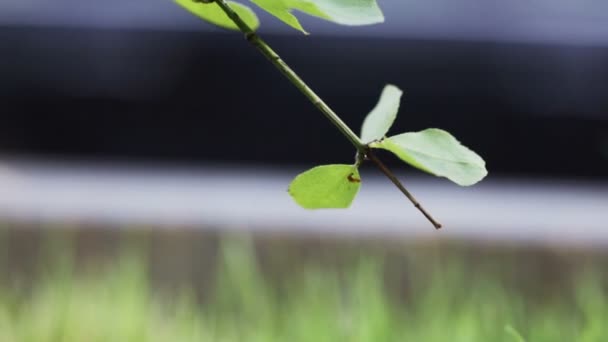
[{"x": 255, "y": 198}]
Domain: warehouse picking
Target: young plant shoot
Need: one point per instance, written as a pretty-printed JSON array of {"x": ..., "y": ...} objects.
[{"x": 433, "y": 150}]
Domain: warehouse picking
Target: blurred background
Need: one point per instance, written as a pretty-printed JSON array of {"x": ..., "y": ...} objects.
[{"x": 145, "y": 156}]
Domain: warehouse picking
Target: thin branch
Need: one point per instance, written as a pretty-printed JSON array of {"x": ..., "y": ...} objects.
[
  {"x": 390, "y": 175},
  {"x": 362, "y": 149},
  {"x": 274, "y": 58}
]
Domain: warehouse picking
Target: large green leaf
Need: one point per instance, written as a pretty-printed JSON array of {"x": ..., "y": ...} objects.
[
  {"x": 344, "y": 12},
  {"x": 214, "y": 14},
  {"x": 439, "y": 153},
  {"x": 381, "y": 118},
  {"x": 326, "y": 186}
]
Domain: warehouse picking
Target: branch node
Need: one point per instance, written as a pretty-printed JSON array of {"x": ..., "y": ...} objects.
[{"x": 249, "y": 36}]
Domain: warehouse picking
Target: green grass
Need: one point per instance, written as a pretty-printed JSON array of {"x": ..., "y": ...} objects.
[{"x": 373, "y": 297}]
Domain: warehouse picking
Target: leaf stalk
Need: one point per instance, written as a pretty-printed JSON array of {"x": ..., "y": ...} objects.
[{"x": 390, "y": 175}]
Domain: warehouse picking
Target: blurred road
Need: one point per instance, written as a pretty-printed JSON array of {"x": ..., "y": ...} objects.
[{"x": 234, "y": 197}]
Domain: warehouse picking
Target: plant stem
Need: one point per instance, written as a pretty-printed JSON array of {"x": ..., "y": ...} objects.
[
  {"x": 274, "y": 58},
  {"x": 400, "y": 186}
]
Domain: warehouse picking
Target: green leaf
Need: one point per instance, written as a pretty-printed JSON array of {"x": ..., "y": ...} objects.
[
  {"x": 381, "y": 118},
  {"x": 437, "y": 152},
  {"x": 326, "y": 186},
  {"x": 344, "y": 12},
  {"x": 213, "y": 13},
  {"x": 281, "y": 10}
]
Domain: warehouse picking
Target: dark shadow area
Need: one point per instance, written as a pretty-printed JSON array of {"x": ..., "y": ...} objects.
[{"x": 197, "y": 98}]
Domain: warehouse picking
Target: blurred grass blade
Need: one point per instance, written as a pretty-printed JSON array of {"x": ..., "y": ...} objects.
[{"x": 509, "y": 330}]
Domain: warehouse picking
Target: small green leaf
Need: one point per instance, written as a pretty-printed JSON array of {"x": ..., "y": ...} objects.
[
  {"x": 281, "y": 10},
  {"x": 381, "y": 118},
  {"x": 326, "y": 186},
  {"x": 437, "y": 152},
  {"x": 344, "y": 12},
  {"x": 213, "y": 13}
]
